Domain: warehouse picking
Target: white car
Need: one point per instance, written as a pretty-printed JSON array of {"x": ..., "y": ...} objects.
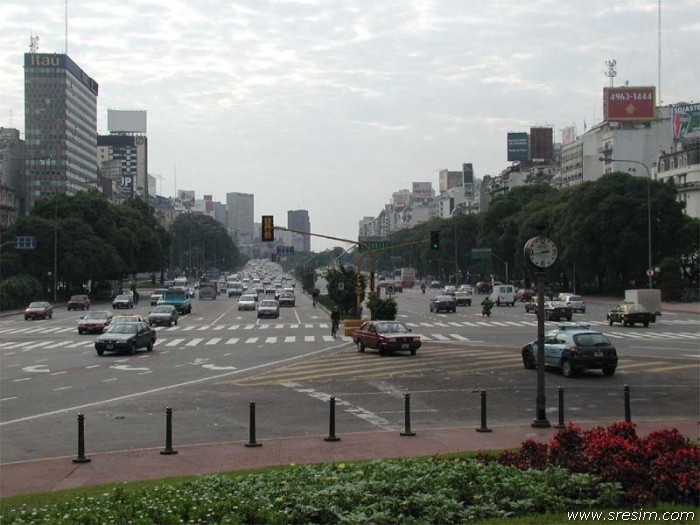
[
  {"x": 247, "y": 302},
  {"x": 575, "y": 302}
]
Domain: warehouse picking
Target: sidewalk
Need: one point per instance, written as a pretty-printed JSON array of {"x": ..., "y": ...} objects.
[{"x": 61, "y": 473}]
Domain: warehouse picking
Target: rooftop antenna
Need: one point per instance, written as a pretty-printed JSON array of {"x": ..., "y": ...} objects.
[
  {"x": 33, "y": 43},
  {"x": 660, "y": 99},
  {"x": 611, "y": 73},
  {"x": 66, "y": 11}
]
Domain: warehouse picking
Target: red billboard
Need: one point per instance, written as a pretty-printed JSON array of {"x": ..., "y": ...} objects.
[{"x": 629, "y": 103}]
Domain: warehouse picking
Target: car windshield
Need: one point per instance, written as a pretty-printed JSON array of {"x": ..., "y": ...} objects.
[
  {"x": 591, "y": 339},
  {"x": 126, "y": 319},
  {"x": 78, "y": 298},
  {"x": 247, "y": 298},
  {"x": 124, "y": 328},
  {"x": 162, "y": 309},
  {"x": 636, "y": 308},
  {"x": 391, "y": 328},
  {"x": 96, "y": 315},
  {"x": 37, "y": 305},
  {"x": 123, "y": 297},
  {"x": 159, "y": 291},
  {"x": 270, "y": 304}
]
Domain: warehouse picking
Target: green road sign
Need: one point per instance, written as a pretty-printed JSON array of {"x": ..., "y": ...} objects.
[
  {"x": 479, "y": 254},
  {"x": 374, "y": 245}
]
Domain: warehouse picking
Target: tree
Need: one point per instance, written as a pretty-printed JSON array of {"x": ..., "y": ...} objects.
[{"x": 341, "y": 284}]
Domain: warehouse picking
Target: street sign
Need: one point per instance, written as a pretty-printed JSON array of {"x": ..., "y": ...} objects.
[
  {"x": 478, "y": 254},
  {"x": 390, "y": 289},
  {"x": 374, "y": 245},
  {"x": 25, "y": 243},
  {"x": 285, "y": 250}
]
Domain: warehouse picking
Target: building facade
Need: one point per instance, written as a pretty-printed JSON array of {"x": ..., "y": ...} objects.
[
  {"x": 130, "y": 153},
  {"x": 298, "y": 220},
  {"x": 241, "y": 220},
  {"x": 60, "y": 107},
  {"x": 12, "y": 160}
]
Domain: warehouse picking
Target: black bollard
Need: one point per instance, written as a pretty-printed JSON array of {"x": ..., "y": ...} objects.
[
  {"x": 407, "y": 416},
  {"x": 251, "y": 441},
  {"x": 331, "y": 432},
  {"x": 483, "y": 427},
  {"x": 81, "y": 441},
  {"x": 168, "y": 450},
  {"x": 561, "y": 409},
  {"x": 628, "y": 412}
]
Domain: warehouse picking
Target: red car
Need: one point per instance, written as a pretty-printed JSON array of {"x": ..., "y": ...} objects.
[
  {"x": 94, "y": 322},
  {"x": 385, "y": 336},
  {"x": 38, "y": 310},
  {"x": 78, "y": 302}
]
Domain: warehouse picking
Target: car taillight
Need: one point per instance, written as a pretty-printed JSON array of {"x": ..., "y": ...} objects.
[{"x": 574, "y": 350}]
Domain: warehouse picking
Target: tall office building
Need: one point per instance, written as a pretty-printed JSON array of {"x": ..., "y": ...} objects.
[
  {"x": 299, "y": 220},
  {"x": 241, "y": 217},
  {"x": 60, "y": 127}
]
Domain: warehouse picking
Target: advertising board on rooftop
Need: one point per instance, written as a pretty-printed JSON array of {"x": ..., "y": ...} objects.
[{"x": 629, "y": 103}]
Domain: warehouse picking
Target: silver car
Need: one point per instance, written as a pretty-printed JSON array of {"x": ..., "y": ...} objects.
[
  {"x": 247, "y": 302},
  {"x": 268, "y": 308}
]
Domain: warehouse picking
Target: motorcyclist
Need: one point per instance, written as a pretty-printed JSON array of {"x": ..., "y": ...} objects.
[
  {"x": 486, "y": 306},
  {"x": 314, "y": 296},
  {"x": 335, "y": 320},
  {"x": 422, "y": 287}
]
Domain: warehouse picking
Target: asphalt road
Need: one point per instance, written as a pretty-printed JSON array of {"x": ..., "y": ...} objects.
[{"x": 217, "y": 360}]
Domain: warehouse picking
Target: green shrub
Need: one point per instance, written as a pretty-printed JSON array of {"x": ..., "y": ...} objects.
[
  {"x": 382, "y": 309},
  {"x": 18, "y": 291}
]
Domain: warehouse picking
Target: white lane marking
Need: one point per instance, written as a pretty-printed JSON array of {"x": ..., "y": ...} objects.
[
  {"x": 129, "y": 368},
  {"x": 440, "y": 337},
  {"x": 309, "y": 338},
  {"x": 216, "y": 367},
  {"x": 194, "y": 342},
  {"x": 459, "y": 337},
  {"x": 252, "y": 340},
  {"x": 8, "y": 398},
  {"x": 213, "y": 341},
  {"x": 231, "y": 341},
  {"x": 62, "y": 388},
  {"x": 219, "y": 327},
  {"x": 175, "y": 342},
  {"x": 188, "y": 328},
  {"x": 271, "y": 340},
  {"x": 290, "y": 339}
]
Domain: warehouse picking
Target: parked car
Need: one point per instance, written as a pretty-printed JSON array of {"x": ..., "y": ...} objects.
[
  {"x": 463, "y": 298},
  {"x": 287, "y": 299},
  {"x": 385, "y": 336},
  {"x": 126, "y": 337},
  {"x": 165, "y": 314},
  {"x": 629, "y": 314},
  {"x": 443, "y": 303},
  {"x": 123, "y": 301},
  {"x": 556, "y": 311},
  {"x": 268, "y": 308},
  {"x": 94, "y": 322},
  {"x": 78, "y": 302},
  {"x": 572, "y": 349},
  {"x": 157, "y": 295},
  {"x": 576, "y": 302},
  {"x": 247, "y": 301},
  {"x": 38, "y": 310}
]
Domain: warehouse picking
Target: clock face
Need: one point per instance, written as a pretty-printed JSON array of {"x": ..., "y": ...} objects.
[{"x": 541, "y": 252}]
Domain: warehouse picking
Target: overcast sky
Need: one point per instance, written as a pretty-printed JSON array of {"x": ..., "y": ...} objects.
[{"x": 332, "y": 105}]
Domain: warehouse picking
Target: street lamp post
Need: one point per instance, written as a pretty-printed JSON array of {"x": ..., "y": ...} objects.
[{"x": 650, "y": 269}]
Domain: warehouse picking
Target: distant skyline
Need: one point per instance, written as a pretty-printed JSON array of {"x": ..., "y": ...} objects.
[{"x": 332, "y": 105}]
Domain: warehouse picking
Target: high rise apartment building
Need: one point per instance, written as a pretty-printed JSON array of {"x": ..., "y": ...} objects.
[
  {"x": 241, "y": 219},
  {"x": 60, "y": 108},
  {"x": 298, "y": 220}
]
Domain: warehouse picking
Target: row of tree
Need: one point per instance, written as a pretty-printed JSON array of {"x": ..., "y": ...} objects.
[
  {"x": 600, "y": 227},
  {"x": 86, "y": 238}
]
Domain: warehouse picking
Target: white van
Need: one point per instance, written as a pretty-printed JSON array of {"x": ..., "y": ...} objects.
[{"x": 503, "y": 294}]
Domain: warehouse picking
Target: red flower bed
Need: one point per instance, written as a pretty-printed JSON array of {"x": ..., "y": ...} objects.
[{"x": 663, "y": 466}]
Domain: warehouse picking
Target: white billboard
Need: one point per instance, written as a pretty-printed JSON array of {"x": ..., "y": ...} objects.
[
  {"x": 126, "y": 121},
  {"x": 186, "y": 197},
  {"x": 422, "y": 189}
]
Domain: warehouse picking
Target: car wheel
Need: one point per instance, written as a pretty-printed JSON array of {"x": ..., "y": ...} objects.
[
  {"x": 100, "y": 352},
  {"x": 175, "y": 321},
  {"x": 149, "y": 348},
  {"x": 382, "y": 350},
  {"x": 646, "y": 324},
  {"x": 360, "y": 346},
  {"x": 132, "y": 349},
  {"x": 566, "y": 369},
  {"x": 529, "y": 360},
  {"x": 413, "y": 351},
  {"x": 26, "y": 318},
  {"x": 568, "y": 318},
  {"x": 608, "y": 371},
  {"x": 610, "y": 321},
  {"x": 80, "y": 331}
]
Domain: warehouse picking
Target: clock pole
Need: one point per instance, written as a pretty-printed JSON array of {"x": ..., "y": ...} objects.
[{"x": 540, "y": 420}]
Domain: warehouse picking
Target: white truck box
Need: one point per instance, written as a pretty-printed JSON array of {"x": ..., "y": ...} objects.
[{"x": 649, "y": 298}]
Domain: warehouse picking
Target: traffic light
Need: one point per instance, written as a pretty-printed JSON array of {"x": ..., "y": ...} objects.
[
  {"x": 434, "y": 240},
  {"x": 268, "y": 228}
]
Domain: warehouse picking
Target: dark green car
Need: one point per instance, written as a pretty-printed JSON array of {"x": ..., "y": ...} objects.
[{"x": 126, "y": 337}]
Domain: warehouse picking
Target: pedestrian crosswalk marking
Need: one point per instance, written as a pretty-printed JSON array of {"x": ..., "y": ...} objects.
[
  {"x": 289, "y": 339},
  {"x": 271, "y": 340},
  {"x": 232, "y": 341},
  {"x": 219, "y": 327},
  {"x": 188, "y": 328},
  {"x": 174, "y": 342},
  {"x": 213, "y": 341},
  {"x": 309, "y": 338},
  {"x": 251, "y": 340},
  {"x": 194, "y": 342}
]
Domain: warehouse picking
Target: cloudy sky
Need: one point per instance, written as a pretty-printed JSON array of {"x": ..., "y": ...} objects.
[{"x": 332, "y": 105}]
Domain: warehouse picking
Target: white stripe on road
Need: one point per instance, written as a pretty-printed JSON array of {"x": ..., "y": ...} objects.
[
  {"x": 213, "y": 341},
  {"x": 194, "y": 342},
  {"x": 174, "y": 342},
  {"x": 232, "y": 341}
]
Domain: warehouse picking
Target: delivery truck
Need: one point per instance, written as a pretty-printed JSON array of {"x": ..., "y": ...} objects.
[{"x": 648, "y": 298}]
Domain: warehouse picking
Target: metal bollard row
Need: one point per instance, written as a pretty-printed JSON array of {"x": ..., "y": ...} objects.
[{"x": 169, "y": 450}]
